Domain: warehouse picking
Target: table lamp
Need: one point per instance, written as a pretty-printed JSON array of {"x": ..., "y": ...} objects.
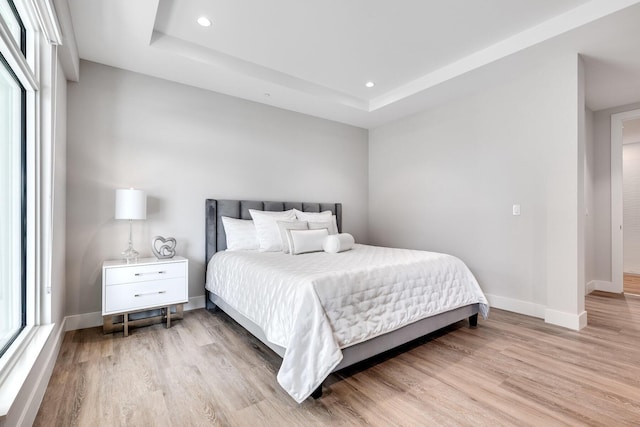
[{"x": 131, "y": 204}]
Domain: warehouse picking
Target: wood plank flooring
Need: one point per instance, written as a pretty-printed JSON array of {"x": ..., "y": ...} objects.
[
  {"x": 206, "y": 370},
  {"x": 631, "y": 283}
]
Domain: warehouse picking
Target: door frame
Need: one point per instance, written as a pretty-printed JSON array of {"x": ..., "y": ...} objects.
[{"x": 617, "y": 199}]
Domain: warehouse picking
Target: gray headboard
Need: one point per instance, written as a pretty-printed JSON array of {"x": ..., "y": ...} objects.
[{"x": 216, "y": 239}]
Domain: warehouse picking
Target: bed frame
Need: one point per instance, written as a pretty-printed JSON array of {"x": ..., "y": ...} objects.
[{"x": 216, "y": 240}]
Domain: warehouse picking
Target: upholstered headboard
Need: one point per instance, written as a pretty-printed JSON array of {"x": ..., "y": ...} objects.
[{"x": 216, "y": 239}]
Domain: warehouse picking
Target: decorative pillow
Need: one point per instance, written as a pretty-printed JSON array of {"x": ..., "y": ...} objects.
[
  {"x": 284, "y": 227},
  {"x": 329, "y": 225},
  {"x": 318, "y": 217},
  {"x": 241, "y": 234},
  {"x": 338, "y": 243},
  {"x": 313, "y": 216},
  {"x": 266, "y": 223},
  {"x": 305, "y": 241}
]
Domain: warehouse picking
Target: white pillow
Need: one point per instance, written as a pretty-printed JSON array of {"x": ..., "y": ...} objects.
[
  {"x": 338, "y": 243},
  {"x": 284, "y": 227},
  {"x": 241, "y": 234},
  {"x": 318, "y": 217},
  {"x": 266, "y": 223},
  {"x": 329, "y": 225},
  {"x": 305, "y": 241},
  {"x": 313, "y": 216}
]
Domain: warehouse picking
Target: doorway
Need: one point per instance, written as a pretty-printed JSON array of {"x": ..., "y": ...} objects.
[
  {"x": 631, "y": 205},
  {"x": 625, "y": 201}
]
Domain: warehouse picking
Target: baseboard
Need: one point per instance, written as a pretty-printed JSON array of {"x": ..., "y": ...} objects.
[
  {"x": 605, "y": 286},
  {"x": 195, "y": 303},
  {"x": 516, "y": 306},
  {"x": 83, "y": 321},
  {"x": 92, "y": 320},
  {"x": 566, "y": 320}
]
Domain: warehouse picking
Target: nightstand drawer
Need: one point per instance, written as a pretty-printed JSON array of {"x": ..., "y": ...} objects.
[
  {"x": 143, "y": 273},
  {"x": 130, "y": 297}
]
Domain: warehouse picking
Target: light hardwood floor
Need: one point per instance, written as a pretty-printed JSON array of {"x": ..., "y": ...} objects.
[
  {"x": 206, "y": 370},
  {"x": 631, "y": 284}
]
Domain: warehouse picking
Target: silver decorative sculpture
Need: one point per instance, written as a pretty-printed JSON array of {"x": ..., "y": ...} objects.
[{"x": 163, "y": 248}]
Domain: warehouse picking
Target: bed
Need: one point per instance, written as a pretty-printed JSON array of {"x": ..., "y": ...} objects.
[{"x": 300, "y": 307}]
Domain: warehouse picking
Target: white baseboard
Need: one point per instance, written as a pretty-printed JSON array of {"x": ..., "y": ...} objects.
[
  {"x": 605, "y": 286},
  {"x": 195, "y": 303},
  {"x": 83, "y": 321},
  {"x": 92, "y": 320},
  {"x": 516, "y": 306},
  {"x": 566, "y": 320}
]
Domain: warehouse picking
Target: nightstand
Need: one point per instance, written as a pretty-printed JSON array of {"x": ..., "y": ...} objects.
[{"x": 150, "y": 284}]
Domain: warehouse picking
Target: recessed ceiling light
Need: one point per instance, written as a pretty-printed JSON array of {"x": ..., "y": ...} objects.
[
  {"x": 369, "y": 84},
  {"x": 204, "y": 21}
]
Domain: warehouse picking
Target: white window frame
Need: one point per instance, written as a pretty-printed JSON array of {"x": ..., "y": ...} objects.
[{"x": 38, "y": 75}]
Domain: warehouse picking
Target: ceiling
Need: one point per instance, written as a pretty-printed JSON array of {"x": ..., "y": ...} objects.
[{"x": 315, "y": 57}]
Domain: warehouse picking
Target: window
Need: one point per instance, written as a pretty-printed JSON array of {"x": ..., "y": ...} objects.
[
  {"x": 29, "y": 40},
  {"x": 12, "y": 192},
  {"x": 14, "y": 23}
]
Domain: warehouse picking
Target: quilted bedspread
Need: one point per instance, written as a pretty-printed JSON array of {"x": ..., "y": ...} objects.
[{"x": 316, "y": 304}]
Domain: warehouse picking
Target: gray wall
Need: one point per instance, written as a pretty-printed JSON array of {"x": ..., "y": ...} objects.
[
  {"x": 455, "y": 171},
  {"x": 183, "y": 145}
]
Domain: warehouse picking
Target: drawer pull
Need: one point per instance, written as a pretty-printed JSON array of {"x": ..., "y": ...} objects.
[
  {"x": 149, "y": 293},
  {"x": 151, "y": 272}
]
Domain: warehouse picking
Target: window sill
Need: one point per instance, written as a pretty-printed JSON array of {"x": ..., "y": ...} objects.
[{"x": 17, "y": 363}]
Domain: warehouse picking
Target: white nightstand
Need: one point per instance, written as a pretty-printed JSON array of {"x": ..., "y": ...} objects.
[{"x": 145, "y": 285}]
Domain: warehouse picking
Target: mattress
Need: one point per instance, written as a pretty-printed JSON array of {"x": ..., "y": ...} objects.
[{"x": 314, "y": 305}]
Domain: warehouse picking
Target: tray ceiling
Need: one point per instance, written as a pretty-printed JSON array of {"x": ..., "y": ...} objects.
[{"x": 315, "y": 57}]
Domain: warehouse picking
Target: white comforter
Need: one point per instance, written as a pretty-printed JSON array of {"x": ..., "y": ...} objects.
[{"x": 315, "y": 304}]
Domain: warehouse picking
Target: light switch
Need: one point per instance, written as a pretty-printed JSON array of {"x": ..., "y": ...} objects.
[{"x": 516, "y": 209}]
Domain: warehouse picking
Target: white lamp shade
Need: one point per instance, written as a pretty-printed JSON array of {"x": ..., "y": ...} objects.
[{"x": 131, "y": 204}]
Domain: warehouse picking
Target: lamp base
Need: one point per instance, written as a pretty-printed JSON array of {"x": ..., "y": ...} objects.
[{"x": 130, "y": 255}]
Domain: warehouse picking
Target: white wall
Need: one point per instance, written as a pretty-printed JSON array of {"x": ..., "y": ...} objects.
[
  {"x": 631, "y": 212},
  {"x": 183, "y": 145},
  {"x": 602, "y": 189},
  {"x": 456, "y": 170}
]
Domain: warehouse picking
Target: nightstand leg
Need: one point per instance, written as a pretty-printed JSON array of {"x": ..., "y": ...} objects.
[
  {"x": 168, "y": 317},
  {"x": 126, "y": 324},
  {"x": 107, "y": 324}
]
